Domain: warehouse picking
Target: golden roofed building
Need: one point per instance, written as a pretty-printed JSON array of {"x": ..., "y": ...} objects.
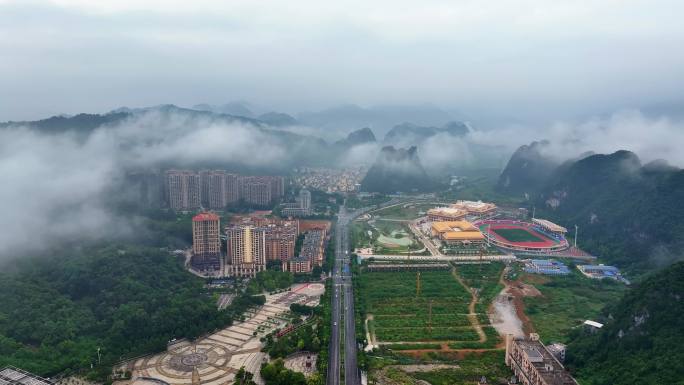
[
  {"x": 479, "y": 208},
  {"x": 445, "y": 214},
  {"x": 457, "y": 232}
]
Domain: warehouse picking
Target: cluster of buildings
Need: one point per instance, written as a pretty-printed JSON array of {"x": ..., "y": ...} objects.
[
  {"x": 311, "y": 253},
  {"x": 535, "y": 364},
  {"x": 215, "y": 189},
  {"x": 462, "y": 210},
  {"x": 330, "y": 180},
  {"x": 252, "y": 242},
  {"x": 452, "y": 225},
  {"x": 301, "y": 207}
]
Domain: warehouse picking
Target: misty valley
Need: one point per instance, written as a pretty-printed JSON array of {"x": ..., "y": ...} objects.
[
  {"x": 185, "y": 243},
  {"x": 341, "y": 193}
]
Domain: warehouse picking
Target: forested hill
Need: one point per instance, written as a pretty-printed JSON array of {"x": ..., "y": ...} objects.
[
  {"x": 527, "y": 170},
  {"x": 397, "y": 170},
  {"x": 642, "y": 340},
  {"x": 628, "y": 213},
  {"x": 126, "y": 300}
]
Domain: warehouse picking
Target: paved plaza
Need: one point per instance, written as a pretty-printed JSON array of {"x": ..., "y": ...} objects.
[{"x": 218, "y": 356}]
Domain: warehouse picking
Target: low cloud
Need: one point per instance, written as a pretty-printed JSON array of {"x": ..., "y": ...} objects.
[
  {"x": 56, "y": 186},
  {"x": 651, "y": 138}
]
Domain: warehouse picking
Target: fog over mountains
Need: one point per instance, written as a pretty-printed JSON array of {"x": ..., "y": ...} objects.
[{"x": 64, "y": 169}]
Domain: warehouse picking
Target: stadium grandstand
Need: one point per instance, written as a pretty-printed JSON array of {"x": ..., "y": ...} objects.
[{"x": 549, "y": 228}]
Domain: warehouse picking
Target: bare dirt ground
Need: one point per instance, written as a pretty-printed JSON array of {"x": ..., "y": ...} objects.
[
  {"x": 507, "y": 313},
  {"x": 383, "y": 378}
]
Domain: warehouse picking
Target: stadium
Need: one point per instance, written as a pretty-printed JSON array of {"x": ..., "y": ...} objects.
[{"x": 539, "y": 237}]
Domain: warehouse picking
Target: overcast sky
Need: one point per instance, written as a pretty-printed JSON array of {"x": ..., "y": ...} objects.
[{"x": 540, "y": 58}]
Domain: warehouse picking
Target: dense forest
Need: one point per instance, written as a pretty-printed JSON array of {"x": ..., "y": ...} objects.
[
  {"x": 641, "y": 342},
  {"x": 628, "y": 213},
  {"x": 125, "y": 300}
]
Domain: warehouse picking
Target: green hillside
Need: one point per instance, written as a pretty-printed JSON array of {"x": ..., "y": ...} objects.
[
  {"x": 126, "y": 300},
  {"x": 628, "y": 214},
  {"x": 641, "y": 342}
]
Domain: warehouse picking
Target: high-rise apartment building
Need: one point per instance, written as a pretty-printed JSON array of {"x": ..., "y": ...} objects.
[
  {"x": 214, "y": 189},
  {"x": 301, "y": 208},
  {"x": 281, "y": 237},
  {"x": 246, "y": 250},
  {"x": 183, "y": 189},
  {"x": 262, "y": 190},
  {"x": 206, "y": 241},
  {"x": 305, "y": 199},
  {"x": 233, "y": 186}
]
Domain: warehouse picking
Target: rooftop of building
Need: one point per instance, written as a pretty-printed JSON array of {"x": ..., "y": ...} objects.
[
  {"x": 602, "y": 268},
  {"x": 550, "y": 225},
  {"x": 546, "y": 262},
  {"x": 548, "y": 367},
  {"x": 447, "y": 211},
  {"x": 462, "y": 235},
  {"x": 453, "y": 226},
  {"x": 594, "y": 324},
  {"x": 206, "y": 216},
  {"x": 473, "y": 205}
]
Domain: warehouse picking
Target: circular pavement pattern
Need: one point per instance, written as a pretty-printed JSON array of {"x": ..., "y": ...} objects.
[{"x": 186, "y": 362}]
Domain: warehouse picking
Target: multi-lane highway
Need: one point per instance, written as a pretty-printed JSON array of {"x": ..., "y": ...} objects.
[
  {"x": 342, "y": 308},
  {"x": 333, "y": 377},
  {"x": 343, "y": 302}
]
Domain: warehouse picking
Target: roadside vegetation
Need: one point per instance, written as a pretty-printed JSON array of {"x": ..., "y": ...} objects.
[{"x": 567, "y": 301}]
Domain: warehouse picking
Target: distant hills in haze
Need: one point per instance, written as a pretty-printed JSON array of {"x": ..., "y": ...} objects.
[
  {"x": 413, "y": 133},
  {"x": 379, "y": 118},
  {"x": 297, "y": 149},
  {"x": 441, "y": 140},
  {"x": 397, "y": 170}
]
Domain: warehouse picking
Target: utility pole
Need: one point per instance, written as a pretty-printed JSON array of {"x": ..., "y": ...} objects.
[
  {"x": 576, "y": 228},
  {"x": 533, "y": 211},
  {"x": 418, "y": 285},
  {"x": 430, "y": 318}
]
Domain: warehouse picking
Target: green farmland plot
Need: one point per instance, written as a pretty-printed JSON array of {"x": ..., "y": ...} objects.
[
  {"x": 400, "y": 315},
  {"x": 485, "y": 279}
]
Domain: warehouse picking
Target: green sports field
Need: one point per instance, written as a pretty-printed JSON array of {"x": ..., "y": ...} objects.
[{"x": 517, "y": 235}]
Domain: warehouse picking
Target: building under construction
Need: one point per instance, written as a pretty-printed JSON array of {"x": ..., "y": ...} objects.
[{"x": 533, "y": 364}]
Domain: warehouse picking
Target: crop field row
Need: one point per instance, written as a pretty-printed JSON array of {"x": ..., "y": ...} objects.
[
  {"x": 485, "y": 279},
  {"x": 401, "y": 312},
  {"x": 392, "y": 321},
  {"x": 443, "y": 333}
]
